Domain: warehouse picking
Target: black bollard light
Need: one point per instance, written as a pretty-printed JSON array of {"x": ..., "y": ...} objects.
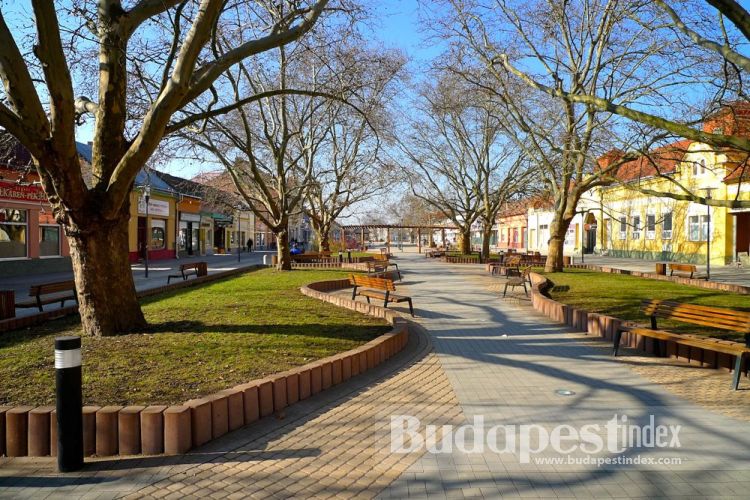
[{"x": 69, "y": 404}]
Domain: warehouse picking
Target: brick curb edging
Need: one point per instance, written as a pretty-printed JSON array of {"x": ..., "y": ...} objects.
[
  {"x": 604, "y": 327},
  {"x": 700, "y": 283},
  {"x": 157, "y": 429},
  {"x": 7, "y": 325}
]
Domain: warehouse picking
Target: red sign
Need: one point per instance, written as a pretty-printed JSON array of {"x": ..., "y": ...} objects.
[{"x": 17, "y": 192}]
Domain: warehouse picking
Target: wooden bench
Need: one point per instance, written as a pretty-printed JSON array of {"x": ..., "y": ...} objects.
[
  {"x": 380, "y": 267},
  {"x": 521, "y": 280},
  {"x": 50, "y": 293},
  {"x": 686, "y": 269},
  {"x": 714, "y": 317},
  {"x": 377, "y": 288},
  {"x": 196, "y": 269},
  {"x": 509, "y": 266}
]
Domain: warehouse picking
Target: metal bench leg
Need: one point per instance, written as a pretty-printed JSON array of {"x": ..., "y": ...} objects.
[
  {"x": 411, "y": 308},
  {"x": 526, "y": 292},
  {"x": 505, "y": 290},
  {"x": 736, "y": 377},
  {"x": 368, "y": 298},
  {"x": 616, "y": 342},
  {"x": 354, "y": 292}
]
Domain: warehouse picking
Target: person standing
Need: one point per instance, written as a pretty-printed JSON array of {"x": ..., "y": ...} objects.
[{"x": 249, "y": 244}]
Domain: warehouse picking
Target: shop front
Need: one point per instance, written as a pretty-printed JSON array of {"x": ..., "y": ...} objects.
[
  {"x": 31, "y": 242},
  {"x": 189, "y": 231},
  {"x": 152, "y": 227}
]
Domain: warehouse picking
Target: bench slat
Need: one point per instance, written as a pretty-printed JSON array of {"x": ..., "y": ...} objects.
[{"x": 691, "y": 341}]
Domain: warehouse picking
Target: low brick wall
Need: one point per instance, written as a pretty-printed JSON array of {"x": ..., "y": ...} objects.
[
  {"x": 604, "y": 327},
  {"x": 451, "y": 259},
  {"x": 700, "y": 283},
  {"x": 154, "y": 430},
  {"x": 354, "y": 266},
  {"x": 37, "y": 319}
]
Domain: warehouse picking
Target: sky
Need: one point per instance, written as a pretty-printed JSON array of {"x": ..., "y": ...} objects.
[{"x": 396, "y": 26}]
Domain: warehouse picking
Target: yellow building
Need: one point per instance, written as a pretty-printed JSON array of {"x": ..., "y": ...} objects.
[{"x": 643, "y": 226}]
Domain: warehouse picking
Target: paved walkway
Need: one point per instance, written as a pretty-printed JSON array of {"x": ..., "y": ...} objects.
[
  {"x": 506, "y": 363},
  {"x": 492, "y": 358}
]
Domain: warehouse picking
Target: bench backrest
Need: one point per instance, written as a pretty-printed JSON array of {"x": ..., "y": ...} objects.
[
  {"x": 193, "y": 265},
  {"x": 715, "y": 317},
  {"x": 513, "y": 260},
  {"x": 688, "y": 268},
  {"x": 381, "y": 257},
  {"x": 370, "y": 282},
  {"x": 47, "y": 288}
]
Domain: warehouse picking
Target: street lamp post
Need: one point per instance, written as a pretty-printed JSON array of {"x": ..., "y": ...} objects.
[
  {"x": 147, "y": 196},
  {"x": 239, "y": 243},
  {"x": 708, "y": 234}
]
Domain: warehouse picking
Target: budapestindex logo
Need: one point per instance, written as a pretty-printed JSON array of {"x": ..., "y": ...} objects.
[{"x": 614, "y": 436}]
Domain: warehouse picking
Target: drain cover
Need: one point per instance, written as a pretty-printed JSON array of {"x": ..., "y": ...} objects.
[{"x": 564, "y": 392}]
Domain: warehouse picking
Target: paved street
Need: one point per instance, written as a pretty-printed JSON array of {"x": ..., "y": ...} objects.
[
  {"x": 157, "y": 274},
  {"x": 480, "y": 356}
]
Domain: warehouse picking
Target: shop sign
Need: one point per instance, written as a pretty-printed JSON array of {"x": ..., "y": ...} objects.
[
  {"x": 157, "y": 208},
  {"x": 190, "y": 217},
  {"x": 17, "y": 192}
]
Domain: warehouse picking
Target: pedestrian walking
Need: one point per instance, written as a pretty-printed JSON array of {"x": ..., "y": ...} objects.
[{"x": 250, "y": 245}]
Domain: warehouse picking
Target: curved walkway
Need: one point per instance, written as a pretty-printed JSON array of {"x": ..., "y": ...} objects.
[
  {"x": 506, "y": 364},
  {"x": 491, "y": 358}
]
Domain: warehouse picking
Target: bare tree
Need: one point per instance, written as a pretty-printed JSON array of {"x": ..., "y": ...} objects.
[
  {"x": 349, "y": 168},
  {"x": 271, "y": 145},
  {"x": 575, "y": 46},
  {"x": 145, "y": 90},
  {"x": 708, "y": 37},
  {"x": 458, "y": 162}
]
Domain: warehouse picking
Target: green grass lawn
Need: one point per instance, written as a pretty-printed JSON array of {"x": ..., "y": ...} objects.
[
  {"x": 199, "y": 341},
  {"x": 621, "y": 295}
]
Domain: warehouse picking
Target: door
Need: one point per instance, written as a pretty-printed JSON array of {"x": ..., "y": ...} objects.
[
  {"x": 743, "y": 232},
  {"x": 142, "y": 237}
]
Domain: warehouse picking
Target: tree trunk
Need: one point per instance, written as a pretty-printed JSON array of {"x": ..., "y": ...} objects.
[
  {"x": 325, "y": 244},
  {"x": 465, "y": 243},
  {"x": 104, "y": 281},
  {"x": 282, "y": 251},
  {"x": 486, "y": 236},
  {"x": 556, "y": 244}
]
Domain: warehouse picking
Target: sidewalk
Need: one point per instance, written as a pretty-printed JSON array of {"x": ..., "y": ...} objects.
[
  {"x": 157, "y": 274},
  {"x": 732, "y": 275}
]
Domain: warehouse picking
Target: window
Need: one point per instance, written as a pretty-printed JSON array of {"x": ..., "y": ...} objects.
[
  {"x": 699, "y": 168},
  {"x": 158, "y": 234},
  {"x": 13, "y": 228},
  {"x": 623, "y": 228},
  {"x": 650, "y": 226},
  {"x": 666, "y": 226},
  {"x": 698, "y": 228},
  {"x": 636, "y": 227}
]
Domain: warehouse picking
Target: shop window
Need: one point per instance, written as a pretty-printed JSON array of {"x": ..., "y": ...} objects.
[
  {"x": 158, "y": 234},
  {"x": 666, "y": 226},
  {"x": 13, "y": 229},
  {"x": 49, "y": 241},
  {"x": 698, "y": 228},
  {"x": 183, "y": 238},
  {"x": 650, "y": 226}
]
